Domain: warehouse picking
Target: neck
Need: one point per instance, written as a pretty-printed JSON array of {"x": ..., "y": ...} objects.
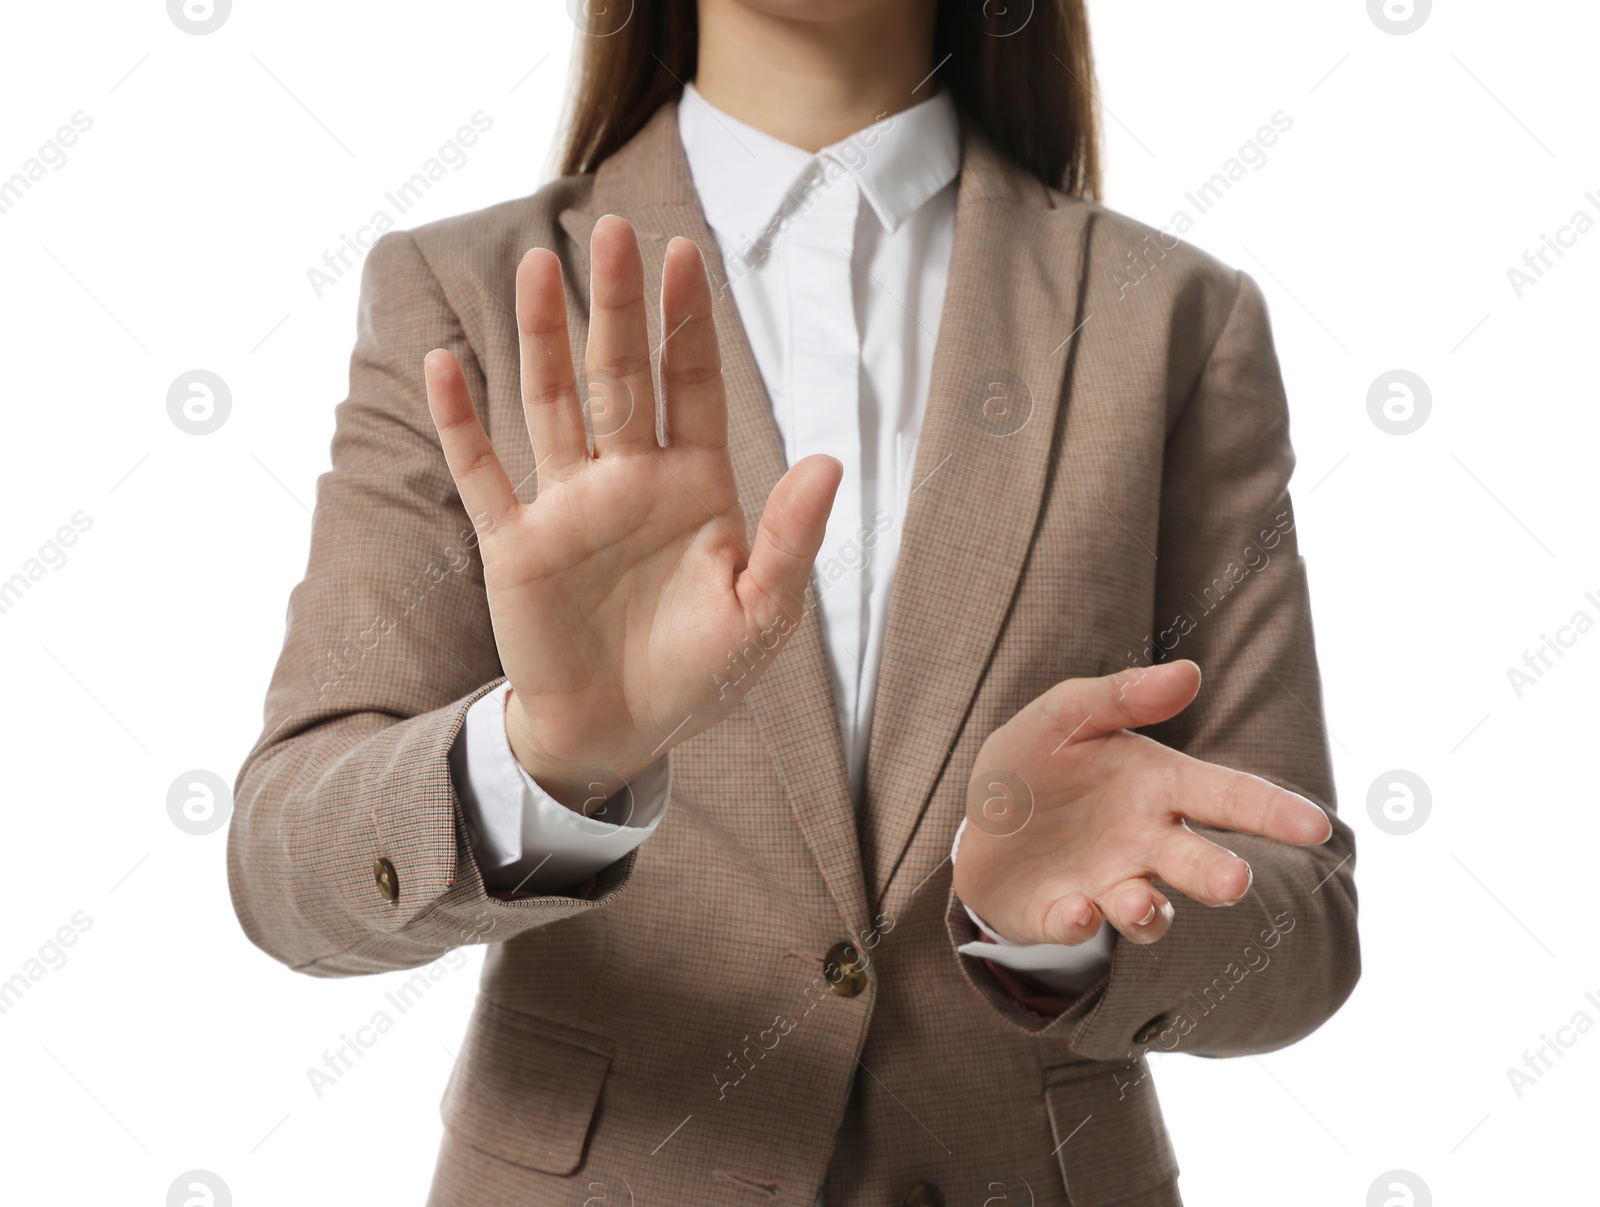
[{"x": 812, "y": 81}]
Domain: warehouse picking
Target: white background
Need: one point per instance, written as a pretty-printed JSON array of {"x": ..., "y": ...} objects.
[{"x": 219, "y": 168}]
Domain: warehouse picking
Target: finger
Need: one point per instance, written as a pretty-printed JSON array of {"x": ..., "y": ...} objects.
[
  {"x": 1233, "y": 800},
  {"x": 691, "y": 363},
  {"x": 1201, "y": 869},
  {"x": 773, "y": 584},
  {"x": 1071, "y": 920},
  {"x": 485, "y": 490},
  {"x": 1138, "y": 910},
  {"x": 1080, "y": 709},
  {"x": 622, "y": 398},
  {"x": 549, "y": 386}
]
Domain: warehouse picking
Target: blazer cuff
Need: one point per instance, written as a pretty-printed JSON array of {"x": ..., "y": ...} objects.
[
  {"x": 525, "y": 841},
  {"x": 1048, "y": 972}
]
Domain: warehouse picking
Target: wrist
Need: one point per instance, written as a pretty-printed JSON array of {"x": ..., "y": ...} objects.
[
  {"x": 963, "y": 876},
  {"x": 582, "y": 787}
]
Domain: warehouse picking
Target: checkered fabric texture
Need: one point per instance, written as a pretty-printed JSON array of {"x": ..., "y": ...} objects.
[{"x": 668, "y": 1038}]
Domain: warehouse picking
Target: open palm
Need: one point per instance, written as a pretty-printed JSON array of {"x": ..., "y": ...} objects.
[
  {"x": 628, "y": 612},
  {"x": 1071, "y": 816}
]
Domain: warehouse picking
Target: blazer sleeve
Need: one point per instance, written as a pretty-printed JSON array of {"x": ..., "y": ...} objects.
[
  {"x": 1231, "y": 595},
  {"x": 348, "y": 851}
]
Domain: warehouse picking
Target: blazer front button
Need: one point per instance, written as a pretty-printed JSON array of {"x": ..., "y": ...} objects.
[
  {"x": 388, "y": 880},
  {"x": 844, "y": 970},
  {"x": 922, "y": 1194}
]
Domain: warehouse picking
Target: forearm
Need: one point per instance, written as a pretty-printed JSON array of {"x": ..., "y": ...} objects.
[
  {"x": 314, "y": 815},
  {"x": 1230, "y": 595},
  {"x": 1252, "y": 977}
]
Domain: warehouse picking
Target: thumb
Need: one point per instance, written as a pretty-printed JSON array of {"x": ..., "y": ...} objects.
[
  {"x": 1081, "y": 709},
  {"x": 792, "y": 526}
]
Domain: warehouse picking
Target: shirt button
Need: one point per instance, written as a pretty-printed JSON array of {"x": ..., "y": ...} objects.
[
  {"x": 922, "y": 1194},
  {"x": 844, "y": 970},
  {"x": 387, "y": 879}
]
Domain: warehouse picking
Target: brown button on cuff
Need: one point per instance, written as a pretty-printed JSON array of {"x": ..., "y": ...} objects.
[
  {"x": 844, "y": 970},
  {"x": 387, "y": 879}
]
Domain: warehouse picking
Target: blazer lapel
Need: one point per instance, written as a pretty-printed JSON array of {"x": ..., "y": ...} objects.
[
  {"x": 648, "y": 182},
  {"x": 982, "y": 467}
]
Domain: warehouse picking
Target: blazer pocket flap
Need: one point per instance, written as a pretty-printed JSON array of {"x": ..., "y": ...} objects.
[
  {"x": 524, "y": 1088},
  {"x": 1110, "y": 1140}
]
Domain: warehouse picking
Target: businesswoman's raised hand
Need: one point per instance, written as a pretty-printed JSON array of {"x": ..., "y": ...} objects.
[
  {"x": 1070, "y": 816},
  {"x": 620, "y": 592}
]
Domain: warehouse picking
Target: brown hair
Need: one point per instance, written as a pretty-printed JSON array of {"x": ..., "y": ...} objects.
[{"x": 1029, "y": 89}]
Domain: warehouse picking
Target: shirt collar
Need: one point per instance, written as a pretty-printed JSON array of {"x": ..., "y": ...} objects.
[{"x": 745, "y": 177}]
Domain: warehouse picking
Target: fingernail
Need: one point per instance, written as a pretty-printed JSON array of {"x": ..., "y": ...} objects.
[
  {"x": 1084, "y": 916},
  {"x": 1148, "y": 918}
]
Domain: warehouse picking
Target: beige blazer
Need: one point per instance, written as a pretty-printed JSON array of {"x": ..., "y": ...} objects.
[{"x": 1101, "y": 477}]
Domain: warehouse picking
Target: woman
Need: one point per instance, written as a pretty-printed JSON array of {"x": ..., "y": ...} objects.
[{"x": 815, "y": 856}]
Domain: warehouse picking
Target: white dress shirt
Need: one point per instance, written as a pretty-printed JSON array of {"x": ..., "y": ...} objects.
[{"x": 838, "y": 263}]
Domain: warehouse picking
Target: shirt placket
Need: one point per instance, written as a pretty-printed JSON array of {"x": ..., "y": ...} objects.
[{"x": 825, "y": 409}]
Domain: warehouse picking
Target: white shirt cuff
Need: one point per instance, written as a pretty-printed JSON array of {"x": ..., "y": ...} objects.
[
  {"x": 526, "y": 841},
  {"x": 1056, "y": 966}
]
